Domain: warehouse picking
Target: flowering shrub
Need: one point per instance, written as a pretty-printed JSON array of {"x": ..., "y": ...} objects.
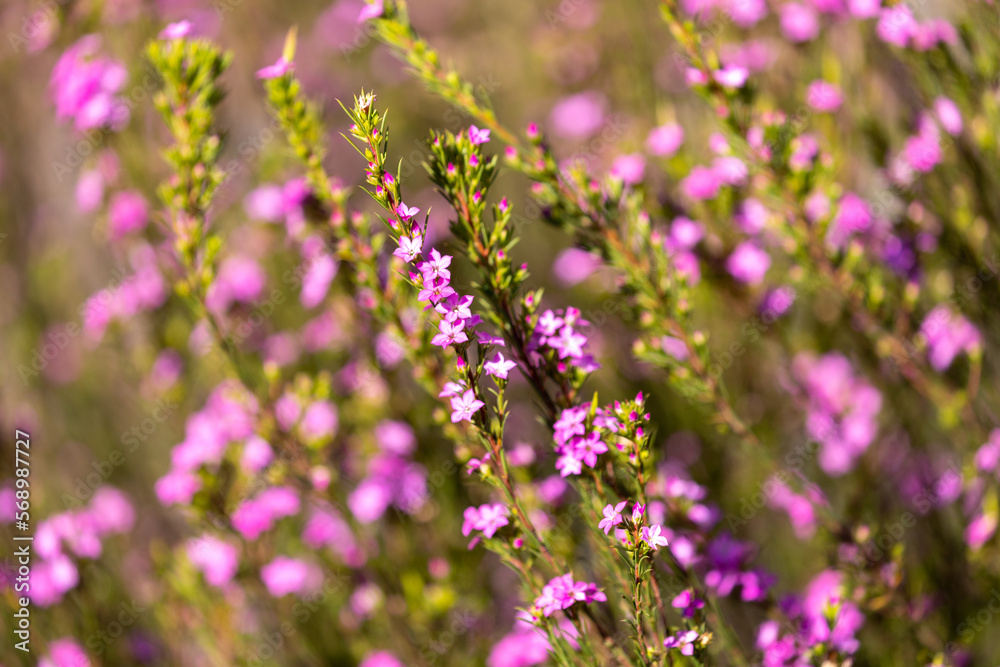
[{"x": 695, "y": 369}]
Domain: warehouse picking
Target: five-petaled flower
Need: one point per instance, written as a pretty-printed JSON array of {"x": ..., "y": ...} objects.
[
  {"x": 652, "y": 537},
  {"x": 464, "y": 406},
  {"x": 409, "y": 248},
  {"x": 477, "y": 136},
  {"x": 499, "y": 367},
  {"x": 612, "y": 516},
  {"x": 406, "y": 212}
]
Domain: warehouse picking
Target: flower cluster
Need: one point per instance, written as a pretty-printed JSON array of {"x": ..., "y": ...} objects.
[
  {"x": 563, "y": 592},
  {"x": 842, "y": 412},
  {"x": 75, "y": 533},
  {"x": 85, "y": 86}
]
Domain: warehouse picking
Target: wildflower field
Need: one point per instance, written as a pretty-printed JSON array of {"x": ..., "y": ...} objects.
[{"x": 450, "y": 333}]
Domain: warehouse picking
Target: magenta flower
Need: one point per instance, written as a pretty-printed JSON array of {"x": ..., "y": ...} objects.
[
  {"x": 370, "y": 11},
  {"x": 629, "y": 168},
  {"x": 663, "y": 141},
  {"x": 799, "y": 22},
  {"x": 281, "y": 67},
  {"x": 612, "y": 516},
  {"x": 896, "y": 25},
  {"x": 701, "y": 183},
  {"x": 464, "y": 406},
  {"x": 949, "y": 115},
  {"x": 652, "y": 537},
  {"x": 731, "y": 77},
  {"x": 216, "y": 559},
  {"x": 178, "y": 30},
  {"x": 286, "y": 575},
  {"x": 499, "y": 367},
  {"x": 562, "y": 593},
  {"x": 450, "y": 333},
  {"x": 687, "y": 601},
  {"x": 406, "y": 212},
  {"x": 477, "y": 136},
  {"x": 409, "y": 248},
  {"x": 128, "y": 213},
  {"x": 748, "y": 263},
  {"x": 823, "y": 96}
]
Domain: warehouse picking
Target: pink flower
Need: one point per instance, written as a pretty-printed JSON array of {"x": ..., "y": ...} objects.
[
  {"x": 949, "y": 115},
  {"x": 896, "y": 25},
  {"x": 702, "y": 183},
  {"x": 578, "y": 115},
  {"x": 409, "y": 248},
  {"x": 65, "y": 653},
  {"x": 216, "y": 559},
  {"x": 381, "y": 658},
  {"x": 128, "y": 213},
  {"x": 748, "y": 263},
  {"x": 464, "y": 406},
  {"x": 286, "y": 575},
  {"x": 371, "y": 11},
  {"x": 922, "y": 152},
  {"x": 319, "y": 421},
  {"x": 663, "y": 141},
  {"x": 652, "y": 537},
  {"x": 730, "y": 170},
  {"x": 177, "y": 487},
  {"x": 799, "y": 22},
  {"x": 280, "y": 68},
  {"x": 405, "y": 212},
  {"x": 864, "y": 9},
  {"x": 499, "y": 367},
  {"x": 178, "y": 30},
  {"x": 612, "y": 516},
  {"x": 450, "y": 333},
  {"x": 477, "y": 136},
  {"x": 823, "y": 96},
  {"x": 629, "y": 168},
  {"x": 731, "y": 77}
]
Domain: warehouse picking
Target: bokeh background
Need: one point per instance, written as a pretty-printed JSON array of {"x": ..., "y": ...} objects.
[{"x": 597, "y": 76}]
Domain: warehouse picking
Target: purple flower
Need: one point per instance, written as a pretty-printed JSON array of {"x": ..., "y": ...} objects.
[
  {"x": 464, "y": 406},
  {"x": 687, "y": 601}
]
